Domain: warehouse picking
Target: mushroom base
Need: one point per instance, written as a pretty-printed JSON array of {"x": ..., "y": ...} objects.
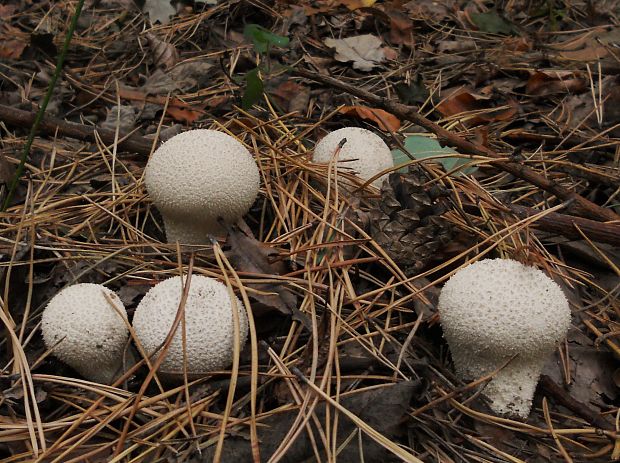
[
  {"x": 191, "y": 231},
  {"x": 512, "y": 388}
]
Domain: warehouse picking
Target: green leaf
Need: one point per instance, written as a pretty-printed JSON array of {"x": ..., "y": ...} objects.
[
  {"x": 492, "y": 23},
  {"x": 424, "y": 147},
  {"x": 253, "y": 89},
  {"x": 263, "y": 38}
]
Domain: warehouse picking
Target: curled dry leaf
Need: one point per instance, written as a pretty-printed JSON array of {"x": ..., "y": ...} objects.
[
  {"x": 475, "y": 108},
  {"x": 252, "y": 256},
  {"x": 165, "y": 55},
  {"x": 364, "y": 51},
  {"x": 386, "y": 121}
]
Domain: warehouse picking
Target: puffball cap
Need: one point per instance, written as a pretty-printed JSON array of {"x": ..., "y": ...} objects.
[
  {"x": 85, "y": 331},
  {"x": 209, "y": 324},
  {"x": 364, "y": 152},
  {"x": 503, "y": 305},
  {"x": 200, "y": 175}
]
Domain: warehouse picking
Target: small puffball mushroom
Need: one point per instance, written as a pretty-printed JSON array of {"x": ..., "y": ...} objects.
[
  {"x": 86, "y": 332},
  {"x": 209, "y": 325},
  {"x": 364, "y": 153},
  {"x": 198, "y": 176},
  {"x": 495, "y": 309}
]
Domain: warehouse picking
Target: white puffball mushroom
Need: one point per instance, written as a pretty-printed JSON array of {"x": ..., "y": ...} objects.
[
  {"x": 209, "y": 325},
  {"x": 495, "y": 309},
  {"x": 364, "y": 153},
  {"x": 198, "y": 176},
  {"x": 86, "y": 332}
]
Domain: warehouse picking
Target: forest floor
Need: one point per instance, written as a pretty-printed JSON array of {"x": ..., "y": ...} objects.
[{"x": 504, "y": 115}]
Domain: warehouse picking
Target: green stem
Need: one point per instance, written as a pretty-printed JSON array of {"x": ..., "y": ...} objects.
[{"x": 39, "y": 117}]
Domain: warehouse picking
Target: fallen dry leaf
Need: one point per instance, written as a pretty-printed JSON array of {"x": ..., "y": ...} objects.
[
  {"x": 165, "y": 54},
  {"x": 177, "y": 109},
  {"x": 11, "y": 49},
  {"x": 159, "y": 10},
  {"x": 364, "y": 51},
  {"x": 184, "y": 114},
  {"x": 292, "y": 96},
  {"x": 216, "y": 101},
  {"x": 386, "y": 121},
  {"x": 401, "y": 28},
  {"x": 13, "y": 42},
  {"x": 484, "y": 109},
  {"x": 580, "y": 110},
  {"x": 357, "y": 4},
  {"x": 544, "y": 83},
  {"x": 7, "y": 10},
  {"x": 184, "y": 77},
  {"x": 7, "y": 171},
  {"x": 326, "y": 6},
  {"x": 596, "y": 44},
  {"x": 517, "y": 44},
  {"x": 124, "y": 117},
  {"x": 252, "y": 256},
  {"x": 429, "y": 9},
  {"x": 455, "y": 46}
]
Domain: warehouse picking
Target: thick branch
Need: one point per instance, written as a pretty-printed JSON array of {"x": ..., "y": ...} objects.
[
  {"x": 569, "y": 226},
  {"x": 51, "y": 126},
  {"x": 580, "y": 205},
  {"x": 563, "y": 225}
]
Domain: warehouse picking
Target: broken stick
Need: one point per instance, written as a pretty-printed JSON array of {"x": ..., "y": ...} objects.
[{"x": 579, "y": 205}]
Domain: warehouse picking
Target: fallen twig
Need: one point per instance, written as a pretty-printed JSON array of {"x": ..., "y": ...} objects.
[
  {"x": 52, "y": 126},
  {"x": 581, "y": 206},
  {"x": 564, "y": 398},
  {"x": 564, "y": 225}
]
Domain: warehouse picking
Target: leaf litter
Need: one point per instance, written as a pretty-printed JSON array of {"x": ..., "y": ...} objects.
[
  {"x": 255, "y": 257},
  {"x": 365, "y": 51},
  {"x": 337, "y": 318}
]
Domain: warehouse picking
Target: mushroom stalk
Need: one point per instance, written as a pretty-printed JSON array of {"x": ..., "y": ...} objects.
[{"x": 189, "y": 231}]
